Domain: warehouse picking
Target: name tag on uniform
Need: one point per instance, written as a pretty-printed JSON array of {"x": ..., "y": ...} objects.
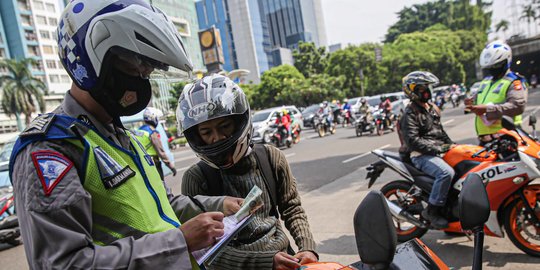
[{"x": 112, "y": 174}]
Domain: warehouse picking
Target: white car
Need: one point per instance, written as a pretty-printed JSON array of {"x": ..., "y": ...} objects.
[{"x": 264, "y": 118}]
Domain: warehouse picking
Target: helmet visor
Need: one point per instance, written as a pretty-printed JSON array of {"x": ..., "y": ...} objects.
[
  {"x": 197, "y": 104},
  {"x": 134, "y": 64}
]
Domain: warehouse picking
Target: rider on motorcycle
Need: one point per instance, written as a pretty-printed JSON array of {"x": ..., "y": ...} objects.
[
  {"x": 386, "y": 107},
  {"x": 424, "y": 141},
  {"x": 365, "y": 110},
  {"x": 346, "y": 108},
  {"x": 283, "y": 123},
  {"x": 326, "y": 111}
]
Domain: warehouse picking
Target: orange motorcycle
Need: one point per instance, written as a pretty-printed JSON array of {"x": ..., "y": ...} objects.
[
  {"x": 507, "y": 165},
  {"x": 376, "y": 240}
]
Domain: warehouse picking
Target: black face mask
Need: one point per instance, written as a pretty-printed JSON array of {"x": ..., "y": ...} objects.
[
  {"x": 496, "y": 72},
  {"x": 122, "y": 94},
  {"x": 423, "y": 96}
]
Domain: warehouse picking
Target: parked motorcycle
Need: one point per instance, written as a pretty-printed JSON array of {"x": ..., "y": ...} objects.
[
  {"x": 322, "y": 127},
  {"x": 363, "y": 124},
  {"x": 507, "y": 165},
  {"x": 9, "y": 223},
  {"x": 376, "y": 239},
  {"x": 277, "y": 138},
  {"x": 383, "y": 122}
]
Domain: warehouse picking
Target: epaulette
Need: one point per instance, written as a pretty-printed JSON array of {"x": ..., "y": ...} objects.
[{"x": 39, "y": 126}]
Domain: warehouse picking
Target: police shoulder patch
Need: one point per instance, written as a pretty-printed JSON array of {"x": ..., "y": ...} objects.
[
  {"x": 39, "y": 125},
  {"x": 517, "y": 85},
  {"x": 51, "y": 167}
]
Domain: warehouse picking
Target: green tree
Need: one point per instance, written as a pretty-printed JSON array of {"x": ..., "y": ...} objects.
[
  {"x": 502, "y": 25},
  {"x": 279, "y": 86},
  {"x": 175, "y": 93},
  {"x": 455, "y": 14},
  {"x": 21, "y": 90},
  {"x": 309, "y": 59}
]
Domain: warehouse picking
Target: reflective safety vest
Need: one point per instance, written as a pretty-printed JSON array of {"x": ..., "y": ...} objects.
[
  {"x": 144, "y": 138},
  {"x": 128, "y": 196},
  {"x": 494, "y": 93}
]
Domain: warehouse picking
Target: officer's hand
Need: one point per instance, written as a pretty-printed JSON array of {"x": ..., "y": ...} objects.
[
  {"x": 284, "y": 261},
  {"x": 468, "y": 102},
  {"x": 479, "y": 109},
  {"x": 231, "y": 205},
  {"x": 202, "y": 230},
  {"x": 306, "y": 257}
]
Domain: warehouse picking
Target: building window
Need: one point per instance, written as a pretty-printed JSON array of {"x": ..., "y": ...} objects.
[
  {"x": 41, "y": 19},
  {"x": 50, "y": 7},
  {"x": 39, "y": 5},
  {"x": 65, "y": 79},
  {"x": 30, "y": 35},
  {"x": 48, "y": 49},
  {"x": 1, "y": 39},
  {"x": 53, "y": 22},
  {"x": 45, "y": 34},
  {"x": 2, "y": 53},
  {"x": 51, "y": 64},
  {"x": 54, "y": 78},
  {"x": 33, "y": 51},
  {"x": 37, "y": 66},
  {"x": 23, "y": 5},
  {"x": 40, "y": 78},
  {"x": 26, "y": 20}
]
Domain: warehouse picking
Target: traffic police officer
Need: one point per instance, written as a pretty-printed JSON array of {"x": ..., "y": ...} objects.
[
  {"x": 87, "y": 195},
  {"x": 503, "y": 92}
]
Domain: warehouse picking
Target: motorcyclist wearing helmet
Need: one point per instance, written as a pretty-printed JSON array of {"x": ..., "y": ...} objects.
[
  {"x": 215, "y": 117},
  {"x": 365, "y": 110},
  {"x": 424, "y": 141},
  {"x": 346, "y": 108},
  {"x": 502, "y": 92},
  {"x": 326, "y": 111},
  {"x": 87, "y": 196},
  {"x": 151, "y": 140},
  {"x": 386, "y": 107}
]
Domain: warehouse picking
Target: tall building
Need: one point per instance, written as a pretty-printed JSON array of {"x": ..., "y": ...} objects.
[
  {"x": 184, "y": 17},
  {"x": 260, "y": 34},
  {"x": 29, "y": 27}
]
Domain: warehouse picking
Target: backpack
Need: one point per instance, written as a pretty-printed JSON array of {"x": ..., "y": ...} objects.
[{"x": 214, "y": 180}]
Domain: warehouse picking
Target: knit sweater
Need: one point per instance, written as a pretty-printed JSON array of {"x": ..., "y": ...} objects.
[{"x": 256, "y": 245}]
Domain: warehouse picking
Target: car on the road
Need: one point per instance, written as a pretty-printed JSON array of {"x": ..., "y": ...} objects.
[
  {"x": 308, "y": 114},
  {"x": 264, "y": 118}
]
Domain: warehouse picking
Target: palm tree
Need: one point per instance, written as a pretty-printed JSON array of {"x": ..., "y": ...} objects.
[
  {"x": 21, "y": 90},
  {"x": 529, "y": 14},
  {"x": 502, "y": 25}
]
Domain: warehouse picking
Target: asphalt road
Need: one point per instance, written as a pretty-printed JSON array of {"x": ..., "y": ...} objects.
[{"x": 330, "y": 173}]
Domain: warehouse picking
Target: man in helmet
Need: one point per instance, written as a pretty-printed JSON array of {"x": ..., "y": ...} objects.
[
  {"x": 365, "y": 109},
  {"x": 151, "y": 140},
  {"x": 325, "y": 110},
  {"x": 502, "y": 92},
  {"x": 88, "y": 195},
  {"x": 424, "y": 141},
  {"x": 346, "y": 108},
  {"x": 214, "y": 115}
]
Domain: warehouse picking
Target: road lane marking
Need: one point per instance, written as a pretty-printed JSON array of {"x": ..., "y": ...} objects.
[
  {"x": 448, "y": 122},
  {"x": 313, "y": 136},
  {"x": 290, "y": 155},
  {"x": 364, "y": 154}
]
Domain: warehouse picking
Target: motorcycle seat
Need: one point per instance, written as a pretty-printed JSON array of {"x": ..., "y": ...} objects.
[{"x": 393, "y": 155}]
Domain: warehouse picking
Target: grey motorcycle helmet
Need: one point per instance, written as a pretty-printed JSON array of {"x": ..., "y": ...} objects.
[{"x": 209, "y": 98}]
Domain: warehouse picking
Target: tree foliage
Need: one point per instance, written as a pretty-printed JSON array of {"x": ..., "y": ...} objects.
[
  {"x": 21, "y": 91},
  {"x": 455, "y": 14},
  {"x": 309, "y": 59}
]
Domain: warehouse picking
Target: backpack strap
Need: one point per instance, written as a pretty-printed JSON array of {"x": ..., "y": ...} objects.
[{"x": 263, "y": 162}]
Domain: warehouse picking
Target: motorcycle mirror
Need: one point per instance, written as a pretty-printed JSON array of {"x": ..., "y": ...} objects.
[
  {"x": 532, "y": 120},
  {"x": 374, "y": 231},
  {"x": 473, "y": 203},
  {"x": 508, "y": 123}
]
